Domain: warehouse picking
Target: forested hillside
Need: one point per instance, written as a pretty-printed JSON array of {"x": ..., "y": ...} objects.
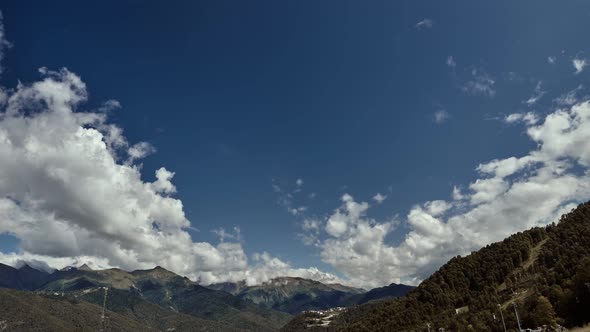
[{"x": 544, "y": 271}]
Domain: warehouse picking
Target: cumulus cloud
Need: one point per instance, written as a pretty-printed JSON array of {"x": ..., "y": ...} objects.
[
  {"x": 551, "y": 60},
  {"x": 424, "y": 24},
  {"x": 579, "y": 65},
  {"x": 69, "y": 199},
  {"x": 481, "y": 84},
  {"x": 509, "y": 195}
]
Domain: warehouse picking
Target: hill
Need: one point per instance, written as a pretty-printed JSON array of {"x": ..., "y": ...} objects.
[
  {"x": 26, "y": 311},
  {"x": 544, "y": 271}
]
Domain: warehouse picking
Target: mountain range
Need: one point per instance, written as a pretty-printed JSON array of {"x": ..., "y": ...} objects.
[
  {"x": 295, "y": 295},
  {"x": 158, "y": 299},
  {"x": 543, "y": 273}
]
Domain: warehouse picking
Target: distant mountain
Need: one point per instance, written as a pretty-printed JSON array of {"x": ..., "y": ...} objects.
[
  {"x": 156, "y": 298},
  {"x": 544, "y": 271},
  {"x": 295, "y": 295},
  {"x": 24, "y": 278},
  {"x": 167, "y": 290},
  {"x": 382, "y": 293},
  {"x": 160, "y": 299}
]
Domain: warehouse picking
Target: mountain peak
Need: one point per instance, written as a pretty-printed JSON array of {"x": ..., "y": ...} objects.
[
  {"x": 25, "y": 267},
  {"x": 85, "y": 267}
]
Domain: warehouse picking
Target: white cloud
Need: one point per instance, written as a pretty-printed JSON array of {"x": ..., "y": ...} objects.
[
  {"x": 569, "y": 98},
  {"x": 510, "y": 195},
  {"x": 457, "y": 194},
  {"x": 529, "y": 118},
  {"x": 379, "y": 198},
  {"x": 297, "y": 210},
  {"x": 538, "y": 93},
  {"x": 424, "y": 24},
  {"x": 311, "y": 231},
  {"x": 109, "y": 105},
  {"x": 440, "y": 116},
  {"x": 68, "y": 198},
  {"x": 288, "y": 197},
  {"x": 579, "y": 65},
  {"x": 551, "y": 60},
  {"x": 481, "y": 84},
  {"x": 451, "y": 61},
  {"x": 225, "y": 235},
  {"x": 139, "y": 150}
]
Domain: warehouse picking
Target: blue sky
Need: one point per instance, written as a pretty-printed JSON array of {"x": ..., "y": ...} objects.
[{"x": 242, "y": 99}]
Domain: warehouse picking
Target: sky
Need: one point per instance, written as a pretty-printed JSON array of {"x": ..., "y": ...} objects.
[{"x": 361, "y": 142}]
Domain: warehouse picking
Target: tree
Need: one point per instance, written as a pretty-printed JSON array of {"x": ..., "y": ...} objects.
[{"x": 541, "y": 313}]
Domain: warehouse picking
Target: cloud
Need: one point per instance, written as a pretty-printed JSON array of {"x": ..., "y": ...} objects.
[
  {"x": 451, "y": 62},
  {"x": 538, "y": 93},
  {"x": 379, "y": 198},
  {"x": 69, "y": 197},
  {"x": 440, "y": 116},
  {"x": 529, "y": 118},
  {"x": 139, "y": 150},
  {"x": 288, "y": 196},
  {"x": 579, "y": 65},
  {"x": 311, "y": 232},
  {"x": 481, "y": 84},
  {"x": 551, "y": 60},
  {"x": 569, "y": 98},
  {"x": 4, "y": 43},
  {"x": 224, "y": 235},
  {"x": 424, "y": 24},
  {"x": 510, "y": 195},
  {"x": 109, "y": 105}
]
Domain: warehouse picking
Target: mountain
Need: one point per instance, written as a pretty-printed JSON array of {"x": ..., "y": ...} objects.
[
  {"x": 166, "y": 290},
  {"x": 545, "y": 272},
  {"x": 27, "y": 311},
  {"x": 295, "y": 295},
  {"x": 382, "y": 293},
  {"x": 24, "y": 278},
  {"x": 156, "y": 298}
]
